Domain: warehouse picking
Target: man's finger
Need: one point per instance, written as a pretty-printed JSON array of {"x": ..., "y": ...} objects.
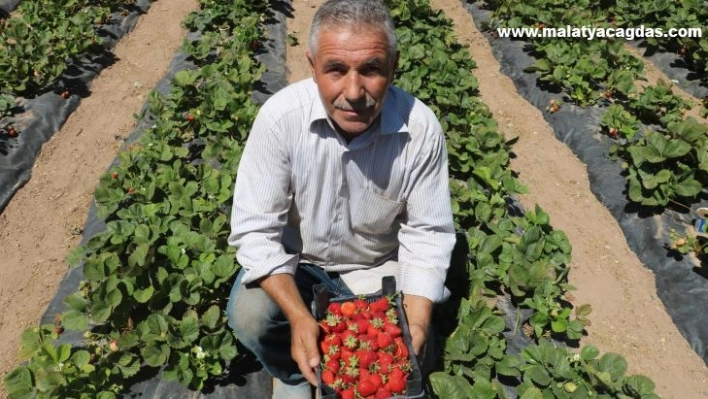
[{"x": 307, "y": 371}]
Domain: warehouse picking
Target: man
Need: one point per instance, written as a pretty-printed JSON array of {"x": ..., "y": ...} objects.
[{"x": 343, "y": 180}]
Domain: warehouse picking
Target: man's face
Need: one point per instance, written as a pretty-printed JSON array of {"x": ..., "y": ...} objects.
[{"x": 353, "y": 70}]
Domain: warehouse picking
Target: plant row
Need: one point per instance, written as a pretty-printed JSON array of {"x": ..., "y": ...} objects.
[
  {"x": 662, "y": 150},
  {"x": 42, "y": 39},
  {"x": 156, "y": 280}
]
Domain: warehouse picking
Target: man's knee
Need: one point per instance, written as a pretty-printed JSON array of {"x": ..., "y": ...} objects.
[{"x": 251, "y": 312}]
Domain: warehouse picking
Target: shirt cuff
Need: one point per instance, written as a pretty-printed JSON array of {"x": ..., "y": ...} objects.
[
  {"x": 425, "y": 282},
  {"x": 281, "y": 264}
]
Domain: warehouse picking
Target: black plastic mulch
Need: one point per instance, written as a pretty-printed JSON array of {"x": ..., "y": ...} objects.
[{"x": 681, "y": 284}]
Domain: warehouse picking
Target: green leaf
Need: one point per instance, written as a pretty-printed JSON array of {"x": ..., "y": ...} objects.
[
  {"x": 638, "y": 386},
  {"x": 211, "y": 317},
  {"x": 687, "y": 187},
  {"x": 74, "y": 320},
  {"x": 144, "y": 295},
  {"x": 139, "y": 255},
  {"x": 448, "y": 387},
  {"x": 18, "y": 382},
  {"x": 155, "y": 354},
  {"x": 532, "y": 393},
  {"x": 538, "y": 375},
  {"x": 189, "y": 328},
  {"x": 589, "y": 353},
  {"x": 614, "y": 364}
]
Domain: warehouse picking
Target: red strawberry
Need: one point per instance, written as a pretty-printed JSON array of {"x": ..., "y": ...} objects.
[
  {"x": 190, "y": 118},
  {"x": 347, "y": 394},
  {"x": 384, "y": 340},
  {"x": 396, "y": 383},
  {"x": 385, "y": 362},
  {"x": 382, "y": 393},
  {"x": 335, "y": 308},
  {"x": 376, "y": 379},
  {"x": 366, "y": 358},
  {"x": 332, "y": 365},
  {"x": 366, "y": 388},
  {"x": 65, "y": 94},
  {"x": 328, "y": 377},
  {"x": 330, "y": 343},
  {"x": 392, "y": 330},
  {"x": 367, "y": 342},
  {"x": 361, "y": 304},
  {"x": 114, "y": 175},
  {"x": 401, "y": 348},
  {"x": 11, "y": 131},
  {"x": 346, "y": 354},
  {"x": 380, "y": 305}
]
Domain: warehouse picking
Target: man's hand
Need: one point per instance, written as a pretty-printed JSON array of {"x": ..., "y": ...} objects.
[
  {"x": 418, "y": 311},
  {"x": 303, "y": 348},
  {"x": 304, "y": 330}
]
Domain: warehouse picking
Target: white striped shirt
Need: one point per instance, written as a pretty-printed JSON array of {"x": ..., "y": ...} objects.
[{"x": 303, "y": 194}]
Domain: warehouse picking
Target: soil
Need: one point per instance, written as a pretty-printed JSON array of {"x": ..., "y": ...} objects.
[{"x": 44, "y": 219}]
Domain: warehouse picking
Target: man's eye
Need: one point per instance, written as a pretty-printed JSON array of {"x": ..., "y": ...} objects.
[{"x": 371, "y": 71}]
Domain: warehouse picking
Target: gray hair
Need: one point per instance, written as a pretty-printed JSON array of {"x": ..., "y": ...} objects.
[{"x": 371, "y": 14}]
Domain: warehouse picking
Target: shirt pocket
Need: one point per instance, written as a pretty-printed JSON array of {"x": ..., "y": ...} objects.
[{"x": 371, "y": 213}]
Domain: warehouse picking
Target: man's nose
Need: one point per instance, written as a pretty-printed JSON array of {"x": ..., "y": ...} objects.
[{"x": 354, "y": 89}]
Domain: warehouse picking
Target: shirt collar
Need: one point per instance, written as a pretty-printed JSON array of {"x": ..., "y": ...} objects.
[{"x": 391, "y": 121}]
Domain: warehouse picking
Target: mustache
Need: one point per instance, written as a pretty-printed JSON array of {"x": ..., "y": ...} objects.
[{"x": 361, "y": 105}]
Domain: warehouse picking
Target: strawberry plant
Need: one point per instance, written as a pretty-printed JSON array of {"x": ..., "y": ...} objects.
[
  {"x": 618, "y": 123},
  {"x": 6, "y": 104}
]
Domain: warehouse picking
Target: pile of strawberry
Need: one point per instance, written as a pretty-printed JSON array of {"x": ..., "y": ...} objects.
[{"x": 364, "y": 353}]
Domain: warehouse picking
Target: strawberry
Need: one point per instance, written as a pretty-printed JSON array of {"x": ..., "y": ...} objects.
[
  {"x": 401, "y": 348},
  {"x": 332, "y": 365},
  {"x": 366, "y": 358},
  {"x": 190, "y": 118},
  {"x": 11, "y": 131},
  {"x": 114, "y": 175},
  {"x": 384, "y": 340},
  {"x": 335, "y": 308},
  {"x": 392, "y": 330},
  {"x": 328, "y": 377},
  {"x": 361, "y": 304},
  {"x": 347, "y": 394},
  {"x": 329, "y": 341},
  {"x": 350, "y": 340},
  {"x": 366, "y": 388},
  {"x": 396, "y": 383},
  {"x": 372, "y": 331},
  {"x": 385, "y": 362},
  {"x": 367, "y": 342},
  {"x": 65, "y": 94},
  {"x": 348, "y": 309},
  {"x": 380, "y": 305},
  {"x": 382, "y": 393},
  {"x": 376, "y": 379}
]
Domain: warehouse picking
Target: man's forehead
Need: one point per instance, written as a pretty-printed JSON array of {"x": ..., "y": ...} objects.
[{"x": 334, "y": 60}]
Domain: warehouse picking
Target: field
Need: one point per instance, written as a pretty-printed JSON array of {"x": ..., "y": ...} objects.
[{"x": 44, "y": 220}]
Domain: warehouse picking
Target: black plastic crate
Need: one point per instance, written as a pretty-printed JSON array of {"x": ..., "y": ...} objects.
[{"x": 415, "y": 388}]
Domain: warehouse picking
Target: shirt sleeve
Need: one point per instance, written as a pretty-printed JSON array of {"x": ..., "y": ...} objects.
[
  {"x": 428, "y": 236},
  {"x": 261, "y": 203}
]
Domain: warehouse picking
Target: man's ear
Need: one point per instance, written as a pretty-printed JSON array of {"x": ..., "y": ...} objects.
[
  {"x": 394, "y": 67},
  {"x": 311, "y": 60}
]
